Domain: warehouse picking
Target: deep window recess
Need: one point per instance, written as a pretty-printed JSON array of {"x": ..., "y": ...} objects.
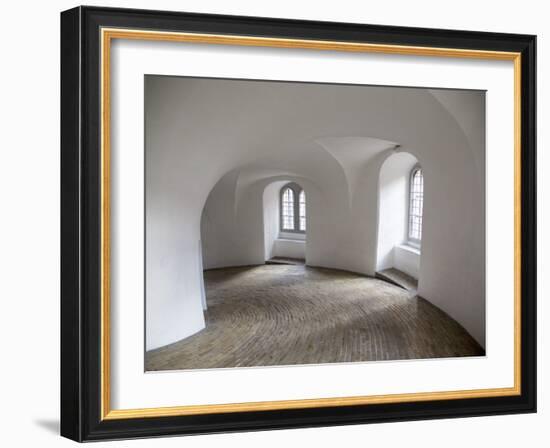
[
  {"x": 293, "y": 208},
  {"x": 416, "y": 202}
]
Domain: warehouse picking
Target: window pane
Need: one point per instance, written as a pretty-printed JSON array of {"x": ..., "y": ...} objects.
[
  {"x": 287, "y": 209},
  {"x": 416, "y": 205},
  {"x": 303, "y": 210}
]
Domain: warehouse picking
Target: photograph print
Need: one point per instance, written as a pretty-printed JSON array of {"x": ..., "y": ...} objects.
[{"x": 298, "y": 223}]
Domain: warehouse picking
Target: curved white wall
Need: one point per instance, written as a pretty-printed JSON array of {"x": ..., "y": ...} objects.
[
  {"x": 226, "y": 140},
  {"x": 290, "y": 248}
]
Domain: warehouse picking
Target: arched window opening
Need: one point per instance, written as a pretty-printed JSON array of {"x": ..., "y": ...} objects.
[
  {"x": 287, "y": 209},
  {"x": 400, "y": 216},
  {"x": 303, "y": 211},
  {"x": 416, "y": 202},
  {"x": 293, "y": 209}
]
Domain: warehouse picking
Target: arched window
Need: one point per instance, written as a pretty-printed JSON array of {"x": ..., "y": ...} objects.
[
  {"x": 302, "y": 211},
  {"x": 293, "y": 208},
  {"x": 416, "y": 202},
  {"x": 287, "y": 209}
]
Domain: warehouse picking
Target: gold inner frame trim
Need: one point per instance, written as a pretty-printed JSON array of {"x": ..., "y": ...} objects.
[{"x": 107, "y": 35}]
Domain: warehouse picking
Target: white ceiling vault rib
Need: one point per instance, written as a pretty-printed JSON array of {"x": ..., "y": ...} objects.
[{"x": 353, "y": 154}]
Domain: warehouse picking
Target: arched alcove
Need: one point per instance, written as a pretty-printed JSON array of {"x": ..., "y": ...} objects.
[
  {"x": 394, "y": 250},
  {"x": 240, "y": 222},
  {"x": 278, "y": 241}
]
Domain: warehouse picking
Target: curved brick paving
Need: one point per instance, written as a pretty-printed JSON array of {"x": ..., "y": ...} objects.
[{"x": 283, "y": 315}]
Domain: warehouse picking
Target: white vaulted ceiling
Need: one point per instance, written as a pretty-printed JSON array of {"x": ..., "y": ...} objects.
[{"x": 326, "y": 133}]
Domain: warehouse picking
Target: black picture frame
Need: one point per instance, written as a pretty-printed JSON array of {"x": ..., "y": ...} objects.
[{"x": 81, "y": 224}]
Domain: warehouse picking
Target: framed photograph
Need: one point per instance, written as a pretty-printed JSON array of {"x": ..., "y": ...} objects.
[{"x": 273, "y": 223}]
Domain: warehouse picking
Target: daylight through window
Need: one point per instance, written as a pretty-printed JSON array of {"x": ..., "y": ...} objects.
[
  {"x": 293, "y": 208},
  {"x": 416, "y": 201}
]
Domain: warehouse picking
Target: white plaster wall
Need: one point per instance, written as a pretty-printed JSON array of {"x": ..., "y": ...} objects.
[
  {"x": 289, "y": 248},
  {"x": 203, "y": 291},
  {"x": 292, "y": 236},
  {"x": 231, "y": 235},
  {"x": 271, "y": 216},
  {"x": 216, "y": 139},
  {"x": 407, "y": 260},
  {"x": 173, "y": 284}
]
